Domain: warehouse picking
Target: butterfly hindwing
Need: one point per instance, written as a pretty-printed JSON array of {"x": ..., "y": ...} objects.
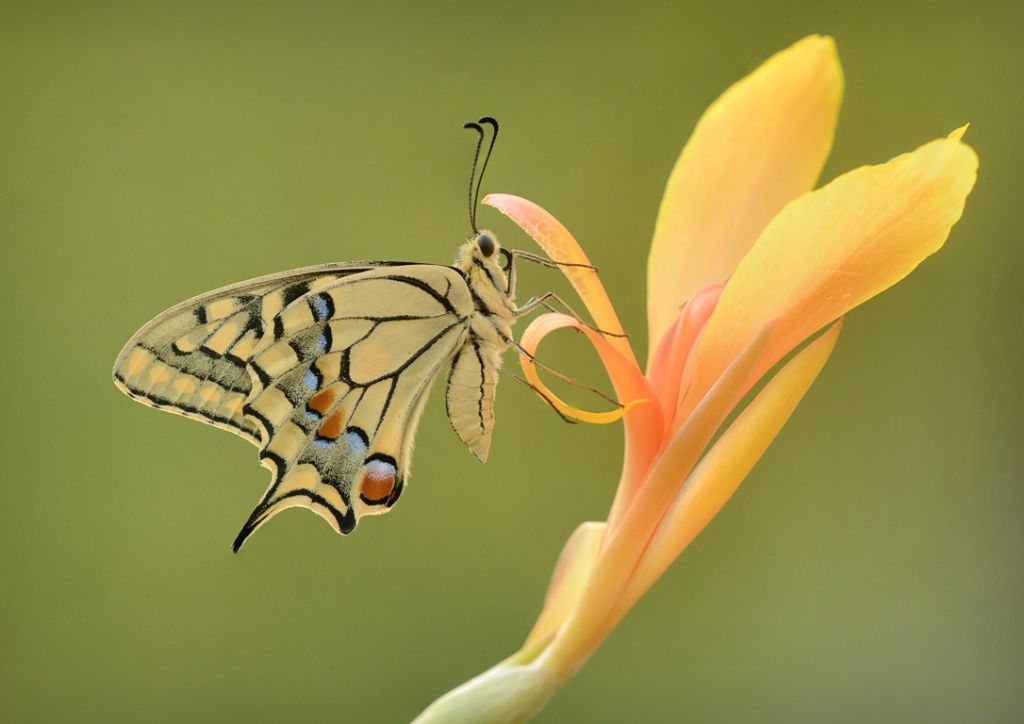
[
  {"x": 469, "y": 394},
  {"x": 338, "y": 393}
]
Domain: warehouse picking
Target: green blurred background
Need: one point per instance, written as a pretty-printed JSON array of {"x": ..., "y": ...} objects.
[{"x": 869, "y": 569}]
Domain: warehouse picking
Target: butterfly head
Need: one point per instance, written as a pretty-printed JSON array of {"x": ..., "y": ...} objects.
[
  {"x": 482, "y": 249},
  {"x": 482, "y": 256},
  {"x": 486, "y": 244}
]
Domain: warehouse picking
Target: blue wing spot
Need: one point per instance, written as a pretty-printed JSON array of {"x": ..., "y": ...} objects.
[
  {"x": 322, "y": 342},
  {"x": 311, "y": 415},
  {"x": 310, "y": 380},
  {"x": 322, "y": 310},
  {"x": 356, "y": 442},
  {"x": 320, "y": 443}
]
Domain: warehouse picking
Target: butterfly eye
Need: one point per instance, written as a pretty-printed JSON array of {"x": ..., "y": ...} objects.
[{"x": 486, "y": 244}]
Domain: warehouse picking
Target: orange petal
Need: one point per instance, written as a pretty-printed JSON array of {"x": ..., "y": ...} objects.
[
  {"x": 625, "y": 541},
  {"x": 732, "y": 457},
  {"x": 560, "y": 245},
  {"x": 547, "y": 323},
  {"x": 665, "y": 370},
  {"x": 760, "y": 145},
  {"x": 833, "y": 249}
]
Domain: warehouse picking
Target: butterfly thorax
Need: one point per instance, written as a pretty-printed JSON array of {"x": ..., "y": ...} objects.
[{"x": 493, "y": 296}]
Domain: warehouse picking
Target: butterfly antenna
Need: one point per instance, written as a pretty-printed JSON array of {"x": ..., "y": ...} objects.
[
  {"x": 472, "y": 172},
  {"x": 474, "y": 191},
  {"x": 493, "y": 123}
]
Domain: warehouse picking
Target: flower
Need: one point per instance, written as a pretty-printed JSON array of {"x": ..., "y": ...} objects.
[{"x": 747, "y": 264}]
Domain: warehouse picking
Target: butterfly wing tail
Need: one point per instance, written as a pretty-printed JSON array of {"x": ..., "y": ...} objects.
[{"x": 343, "y": 523}]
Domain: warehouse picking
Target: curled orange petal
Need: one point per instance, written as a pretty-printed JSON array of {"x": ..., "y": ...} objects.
[{"x": 625, "y": 376}]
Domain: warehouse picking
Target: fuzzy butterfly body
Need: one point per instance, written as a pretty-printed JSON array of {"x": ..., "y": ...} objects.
[{"x": 326, "y": 369}]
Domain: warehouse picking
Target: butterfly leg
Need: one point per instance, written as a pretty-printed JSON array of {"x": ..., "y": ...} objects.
[
  {"x": 562, "y": 376},
  {"x": 550, "y": 263},
  {"x": 513, "y": 254},
  {"x": 541, "y": 395},
  {"x": 545, "y": 300}
]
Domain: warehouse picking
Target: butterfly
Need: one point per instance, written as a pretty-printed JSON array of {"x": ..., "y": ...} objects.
[{"x": 326, "y": 369}]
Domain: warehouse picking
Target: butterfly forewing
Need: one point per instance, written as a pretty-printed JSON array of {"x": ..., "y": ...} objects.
[{"x": 193, "y": 358}]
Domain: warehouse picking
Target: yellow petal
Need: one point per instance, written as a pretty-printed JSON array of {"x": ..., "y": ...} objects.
[
  {"x": 760, "y": 145},
  {"x": 834, "y": 248},
  {"x": 561, "y": 246},
  {"x": 732, "y": 457},
  {"x": 571, "y": 573},
  {"x": 959, "y": 133}
]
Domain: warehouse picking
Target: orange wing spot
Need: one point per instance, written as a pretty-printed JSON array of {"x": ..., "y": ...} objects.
[
  {"x": 321, "y": 402},
  {"x": 377, "y": 490},
  {"x": 138, "y": 359},
  {"x": 378, "y": 480},
  {"x": 331, "y": 427},
  {"x": 185, "y": 385},
  {"x": 160, "y": 374},
  {"x": 209, "y": 392}
]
